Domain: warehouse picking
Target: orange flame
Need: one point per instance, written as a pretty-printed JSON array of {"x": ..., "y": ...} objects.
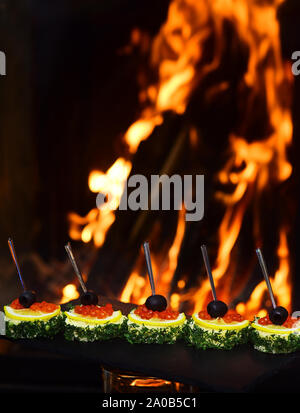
[
  {"x": 137, "y": 288},
  {"x": 150, "y": 382},
  {"x": 98, "y": 221},
  {"x": 280, "y": 284},
  {"x": 177, "y": 51},
  {"x": 69, "y": 293},
  {"x": 177, "y": 54}
]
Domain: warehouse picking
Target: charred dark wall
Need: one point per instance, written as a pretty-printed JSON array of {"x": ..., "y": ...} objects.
[
  {"x": 290, "y": 35},
  {"x": 18, "y": 156},
  {"x": 70, "y": 91},
  {"x": 278, "y": 205}
]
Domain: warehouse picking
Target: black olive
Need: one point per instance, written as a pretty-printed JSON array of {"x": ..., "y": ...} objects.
[
  {"x": 278, "y": 315},
  {"x": 156, "y": 303},
  {"x": 89, "y": 298},
  {"x": 217, "y": 309},
  {"x": 27, "y": 298}
]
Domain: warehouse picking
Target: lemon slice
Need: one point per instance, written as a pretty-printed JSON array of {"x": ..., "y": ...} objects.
[
  {"x": 156, "y": 322},
  {"x": 28, "y": 315},
  {"x": 274, "y": 329},
  {"x": 219, "y": 323},
  {"x": 116, "y": 315}
]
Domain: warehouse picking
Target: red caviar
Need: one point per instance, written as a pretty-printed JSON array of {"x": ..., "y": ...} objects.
[
  {"x": 229, "y": 317},
  {"x": 264, "y": 321},
  {"x": 204, "y": 315},
  {"x": 42, "y": 307},
  {"x": 94, "y": 310},
  {"x": 168, "y": 314},
  {"x": 289, "y": 323},
  {"x": 16, "y": 305},
  {"x": 233, "y": 315}
]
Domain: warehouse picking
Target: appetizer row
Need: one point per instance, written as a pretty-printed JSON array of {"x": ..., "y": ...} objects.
[
  {"x": 215, "y": 327},
  {"x": 89, "y": 323}
]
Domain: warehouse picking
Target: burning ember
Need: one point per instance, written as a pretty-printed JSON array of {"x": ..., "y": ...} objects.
[
  {"x": 189, "y": 52},
  {"x": 97, "y": 222},
  {"x": 69, "y": 293}
]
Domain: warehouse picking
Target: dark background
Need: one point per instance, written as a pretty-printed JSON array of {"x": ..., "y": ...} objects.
[{"x": 69, "y": 94}]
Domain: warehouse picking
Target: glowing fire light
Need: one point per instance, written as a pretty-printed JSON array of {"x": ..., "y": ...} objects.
[
  {"x": 176, "y": 51},
  {"x": 137, "y": 289},
  {"x": 97, "y": 222},
  {"x": 140, "y": 130},
  {"x": 176, "y": 54},
  {"x": 69, "y": 293},
  {"x": 280, "y": 282},
  {"x": 149, "y": 382}
]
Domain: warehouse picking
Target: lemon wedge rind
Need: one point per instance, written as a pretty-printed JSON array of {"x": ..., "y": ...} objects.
[
  {"x": 28, "y": 315},
  {"x": 274, "y": 329},
  {"x": 92, "y": 320},
  {"x": 134, "y": 318},
  {"x": 219, "y": 324}
]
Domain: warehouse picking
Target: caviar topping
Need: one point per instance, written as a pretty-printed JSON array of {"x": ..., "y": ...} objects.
[
  {"x": 17, "y": 305},
  {"x": 230, "y": 317},
  {"x": 42, "y": 307},
  {"x": 204, "y": 315},
  {"x": 289, "y": 323},
  {"x": 143, "y": 312},
  {"x": 233, "y": 316},
  {"x": 94, "y": 311}
]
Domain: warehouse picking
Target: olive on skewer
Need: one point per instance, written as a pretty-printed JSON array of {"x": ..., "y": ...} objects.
[
  {"x": 96, "y": 322},
  {"x": 278, "y": 315},
  {"x": 216, "y": 327},
  {"x": 215, "y": 308},
  {"x": 159, "y": 323},
  {"x": 277, "y": 332},
  {"x": 154, "y": 302},
  {"x": 28, "y": 297},
  {"x": 27, "y": 318},
  {"x": 89, "y": 297}
]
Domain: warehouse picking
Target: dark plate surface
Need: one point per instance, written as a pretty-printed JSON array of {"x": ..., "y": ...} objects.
[{"x": 238, "y": 370}]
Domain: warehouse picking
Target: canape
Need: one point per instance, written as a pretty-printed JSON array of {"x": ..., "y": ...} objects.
[
  {"x": 93, "y": 322},
  {"x": 204, "y": 331},
  {"x": 277, "y": 332},
  {"x": 274, "y": 338},
  {"x": 40, "y": 319},
  {"x": 145, "y": 325},
  {"x": 154, "y": 322}
]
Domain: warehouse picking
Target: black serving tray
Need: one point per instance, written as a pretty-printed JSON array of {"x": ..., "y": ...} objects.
[{"x": 242, "y": 369}]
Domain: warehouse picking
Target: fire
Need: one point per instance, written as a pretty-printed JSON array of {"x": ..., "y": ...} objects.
[
  {"x": 254, "y": 162},
  {"x": 251, "y": 166},
  {"x": 150, "y": 382},
  {"x": 137, "y": 288},
  {"x": 140, "y": 130},
  {"x": 69, "y": 293},
  {"x": 280, "y": 283},
  {"x": 98, "y": 221}
]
